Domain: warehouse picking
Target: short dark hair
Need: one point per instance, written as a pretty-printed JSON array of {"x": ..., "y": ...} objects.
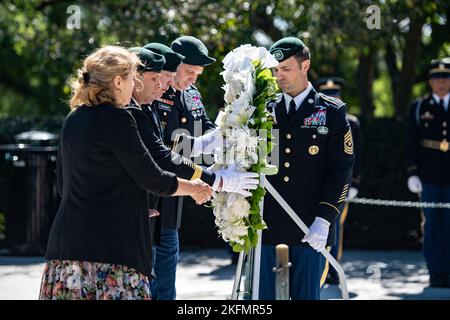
[{"x": 303, "y": 55}]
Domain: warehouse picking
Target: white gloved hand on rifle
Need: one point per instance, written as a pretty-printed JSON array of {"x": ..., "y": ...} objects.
[
  {"x": 414, "y": 184},
  {"x": 318, "y": 234}
]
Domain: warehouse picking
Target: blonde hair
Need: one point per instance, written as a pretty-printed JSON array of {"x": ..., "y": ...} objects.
[{"x": 93, "y": 84}]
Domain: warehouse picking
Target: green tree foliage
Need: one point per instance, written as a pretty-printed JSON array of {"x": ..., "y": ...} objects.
[{"x": 39, "y": 52}]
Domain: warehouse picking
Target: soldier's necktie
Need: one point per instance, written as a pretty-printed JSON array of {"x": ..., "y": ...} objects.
[
  {"x": 291, "y": 110},
  {"x": 441, "y": 104}
]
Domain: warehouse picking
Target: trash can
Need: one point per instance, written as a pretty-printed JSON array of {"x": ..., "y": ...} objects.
[{"x": 29, "y": 171}]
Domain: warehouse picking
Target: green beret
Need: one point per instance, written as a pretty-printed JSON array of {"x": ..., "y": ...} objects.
[
  {"x": 285, "y": 48},
  {"x": 193, "y": 49},
  {"x": 151, "y": 61},
  {"x": 173, "y": 59},
  {"x": 439, "y": 69}
]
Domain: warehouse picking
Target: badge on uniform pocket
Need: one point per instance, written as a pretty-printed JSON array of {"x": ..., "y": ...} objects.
[
  {"x": 427, "y": 116},
  {"x": 322, "y": 130}
]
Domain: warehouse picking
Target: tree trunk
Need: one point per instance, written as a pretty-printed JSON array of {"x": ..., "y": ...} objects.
[
  {"x": 407, "y": 74},
  {"x": 394, "y": 74},
  {"x": 365, "y": 74}
]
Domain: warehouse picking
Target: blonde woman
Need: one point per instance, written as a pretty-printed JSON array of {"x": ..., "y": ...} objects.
[{"x": 99, "y": 244}]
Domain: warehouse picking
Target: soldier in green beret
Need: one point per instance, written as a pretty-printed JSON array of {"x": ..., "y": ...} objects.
[
  {"x": 149, "y": 76},
  {"x": 169, "y": 70},
  {"x": 316, "y": 159}
]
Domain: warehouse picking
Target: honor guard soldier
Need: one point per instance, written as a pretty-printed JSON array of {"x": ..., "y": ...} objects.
[
  {"x": 428, "y": 168},
  {"x": 316, "y": 159},
  {"x": 332, "y": 87}
]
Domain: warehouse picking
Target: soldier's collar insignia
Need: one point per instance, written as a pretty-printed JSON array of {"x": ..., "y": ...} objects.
[{"x": 278, "y": 54}]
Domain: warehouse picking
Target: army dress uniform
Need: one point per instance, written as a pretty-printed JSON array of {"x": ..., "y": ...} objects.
[
  {"x": 428, "y": 157},
  {"x": 316, "y": 159}
]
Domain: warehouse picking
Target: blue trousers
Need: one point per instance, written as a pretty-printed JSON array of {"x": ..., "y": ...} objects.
[
  {"x": 337, "y": 250},
  {"x": 165, "y": 260},
  {"x": 436, "y": 244},
  {"x": 304, "y": 276}
]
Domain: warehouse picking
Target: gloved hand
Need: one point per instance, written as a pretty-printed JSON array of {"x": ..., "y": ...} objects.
[
  {"x": 239, "y": 182},
  {"x": 211, "y": 142},
  {"x": 318, "y": 234},
  {"x": 352, "y": 193},
  {"x": 414, "y": 184}
]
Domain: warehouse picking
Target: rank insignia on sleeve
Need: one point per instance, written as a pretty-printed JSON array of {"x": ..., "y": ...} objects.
[
  {"x": 343, "y": 194},
  {"x": 348, "y": 143}
]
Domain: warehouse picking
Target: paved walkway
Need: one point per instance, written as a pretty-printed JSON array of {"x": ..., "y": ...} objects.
[{"x": 207, "y": 274}]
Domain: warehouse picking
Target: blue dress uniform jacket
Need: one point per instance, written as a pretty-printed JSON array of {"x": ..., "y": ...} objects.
[
  {"x": 427, "y": 147},
  {"x": 104, "y": 174},
  {"x": 179, "y": 110},
  {"x": 316, "y": 159}
]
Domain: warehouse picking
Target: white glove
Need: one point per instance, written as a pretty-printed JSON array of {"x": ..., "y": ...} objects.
[
  {"x": 239, "y": 182},
  {"x": 318, "y": 234},
  {"x": 352, "y": 193},
  {"x": 209, "y": 143},
  {"x": 414, "y": 184}
]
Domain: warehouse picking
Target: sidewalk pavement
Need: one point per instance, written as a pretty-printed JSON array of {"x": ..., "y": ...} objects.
[{"x": 208, "y": 274}]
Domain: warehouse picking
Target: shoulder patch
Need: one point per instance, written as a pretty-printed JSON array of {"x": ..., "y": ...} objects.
[
  {"x": 332, "y": 102},
  {"x": 352, "y": 118},
  {"x": 193, "y": 99}
]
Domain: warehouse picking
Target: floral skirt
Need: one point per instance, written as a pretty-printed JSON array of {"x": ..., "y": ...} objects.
[{"x": 75, "y": 280}]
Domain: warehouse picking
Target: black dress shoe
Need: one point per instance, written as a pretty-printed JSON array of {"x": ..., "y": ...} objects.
[{"x": 438, "y": 280}]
